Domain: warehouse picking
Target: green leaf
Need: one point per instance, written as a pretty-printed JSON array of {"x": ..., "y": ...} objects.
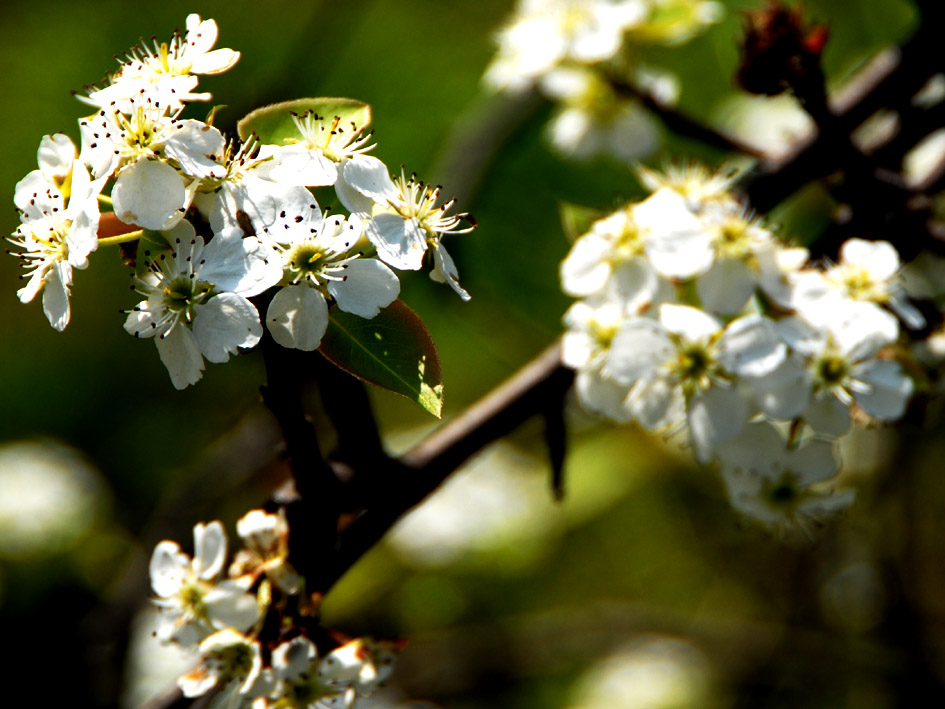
[
  {"x": 392, "y": 350},
  {"x": 273, "y": 124}
]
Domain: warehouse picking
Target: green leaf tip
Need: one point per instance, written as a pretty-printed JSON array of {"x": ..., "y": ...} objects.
[
  {"x": 393, "y": 351},
  {"x": 274, "y": 124}
]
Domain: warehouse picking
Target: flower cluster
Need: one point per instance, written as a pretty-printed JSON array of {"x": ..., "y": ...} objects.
[
  {"x": 579, "y": 54},
  {"x": 693, "y": 316},
  {"x": 217, "y": 222},
  {"x": 228, "y": 619}
]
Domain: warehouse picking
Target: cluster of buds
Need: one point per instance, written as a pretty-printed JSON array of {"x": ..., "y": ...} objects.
[
  {"x": 694, "y": 316},
  {"x": 214, "y": 222},
  {"x": 579, "y": 55},
  {"x": 228, "y": 618}
]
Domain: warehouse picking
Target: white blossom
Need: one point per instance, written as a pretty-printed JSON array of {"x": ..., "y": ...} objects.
[
  {"x": 868, "y": 272},
  {"x": 230, "y": 661},
  {"x": 408, "y": 221},
  {"x": 843, "y": 368},
  {"x": 321, "y": 260},
  {"x": 320, "y": 153},
  {"x": 193, "y": 600},
  {"x": 544, "y": 33},
  {"x": 197, "y": 303},
  {"x": 298, "y": 683},
  {"x": 166, "y": 72},
  {"x": 593, "y": 120},
  {"x": 267, "y": 549},
  {"x": 55, "y": 238},
  {"x": 685, "y": 367},
  {"x": 610, "y": 260},
  {"x": 779, "y": 486}
]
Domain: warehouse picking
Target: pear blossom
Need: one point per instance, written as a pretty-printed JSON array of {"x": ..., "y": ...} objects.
[
  {"x": 611, "y": 259},
  {"x": 781, "y": 487},
  {"x": 193, "y": 600},
  {"x": 868, "y": 272},
  {"x": 544, "y": 33},
  {"x": 241, "y": 195},
  {"x": 844, "y": 368},
  {"x": 740, "y": 244},
  {"x": 298, "y": 683},
  {"x": 321, "y": 260},
  {"x": 699, "y": 185},
  {"x": 678, "y": 243},
  {"x": 112, "y": 140},
  {"x": 321, "y": 153},
  {"x": 685, "y": 367},
  {"x": 55, "y": 238},
  {"x": 157, "y": 160},
  {"x": 56, "y": 156},
  {"x": 196, "y": 299},
  {"x": 409, "y": 221},
  {"x": 166, "y": 73},
  {"x": 360, "y": 666},
  {"x": 591, "y": 327},
  {"x": 230, "y": 661},
  {"x": 267, "y": 549},
  {"x": 593, "y": 120}
]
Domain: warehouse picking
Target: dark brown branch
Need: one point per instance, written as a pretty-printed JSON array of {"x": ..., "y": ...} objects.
[
  {"x": 535, "y": 388},
  {"x": 680, "y": 123}
]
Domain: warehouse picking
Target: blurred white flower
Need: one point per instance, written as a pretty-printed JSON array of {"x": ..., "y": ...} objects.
[
  {"x": 653, "y": 673},
  {"x": 50, "y": 498},
  {"x": 781, "y": 487}
]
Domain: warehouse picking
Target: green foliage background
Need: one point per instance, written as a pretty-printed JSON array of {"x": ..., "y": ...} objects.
[{"x": 644, "y": 544}]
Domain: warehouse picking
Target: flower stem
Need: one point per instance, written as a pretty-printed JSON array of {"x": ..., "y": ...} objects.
[{"x": 121, "y": 238}]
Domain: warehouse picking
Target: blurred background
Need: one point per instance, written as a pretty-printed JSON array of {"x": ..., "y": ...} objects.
[{"x": 643, "y": 588}]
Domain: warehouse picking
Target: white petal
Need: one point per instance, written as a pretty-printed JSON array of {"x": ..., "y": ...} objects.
[
  {"x": 56, "y": 295},
  {"x": 300, "y": 165},
  {"x": 637, "y": 350},
  {"x": 827, "y": 416},
  {"x": 889, "y": 392},
  {"x": 209, "y": 549},
  {"x": 298, "y": 317},
  {"x": 368, "y": 286},
  {"x": 691, "y": 323},
  {"x": 444, "y": 270},
  {"x": 370, "y": 177},
  {"x": 149, "y": 194},
  {"x": 243, "y": 266},
  {"x": 602, "y": 396},
  {"x": 655, "y": 403},
  {"x": 229, "y": 606},
  {"x": 169, "y": 567},
  {"x": 399, "y": 242},
  {"x": 715, "y": 416},
  {"x": 750, "y": 347},
  {"x": 586, "y": 268},
  {"x": 784, "y": 392},
  {"x": 223, "y": 324},
  {"x": 198, "y": 148},
  {"x": 879, "y": 258},
  {"x": 726, "y": 286},
  {"x": 814, "y": 461},
  {"x": 215, "y": 62},
  {"x": 292, "y": 659},
  {"x": 179, "y": 353},
  {"x": 677, "y": 242},
  {"x": 34, "y": 194},
  {"x": 56, "y": 154},
  {"x": 758, "y": 449}
]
